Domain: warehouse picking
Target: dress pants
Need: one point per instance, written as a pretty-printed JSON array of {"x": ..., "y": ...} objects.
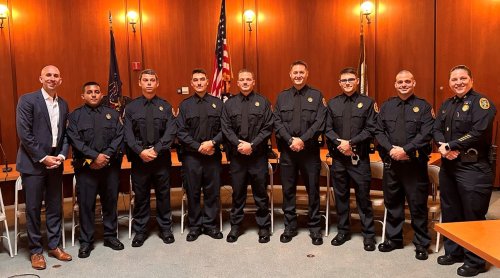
[
  {"x": 465, "y": 190},
  {"x": 343, "y": 173},
  {"x": 306, "y": 162},
  {"x": 104, "y": 182},
  {"x": 37, "y": 188},
  {"x": 152, "y": 175},
  {"x": 252, "y": 168},
  {"x": 407, "y": 179},
  {"x": 202, "y": 172}
]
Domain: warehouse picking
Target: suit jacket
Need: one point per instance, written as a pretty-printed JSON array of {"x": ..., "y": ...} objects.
[{"x": 35, "y": 133}]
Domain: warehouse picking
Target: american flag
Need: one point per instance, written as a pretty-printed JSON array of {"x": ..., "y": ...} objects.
[{"x": 222, "y": 63}]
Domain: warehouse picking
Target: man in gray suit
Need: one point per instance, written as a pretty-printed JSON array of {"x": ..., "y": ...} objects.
[{"x": 41, "y": 127}]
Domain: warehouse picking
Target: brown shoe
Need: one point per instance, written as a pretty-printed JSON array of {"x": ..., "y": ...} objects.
[
  {"x": 59, "y": 254},
  {"x": 38, "y": 261}
]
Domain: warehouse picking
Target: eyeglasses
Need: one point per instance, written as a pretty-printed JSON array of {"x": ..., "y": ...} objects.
[{"x": 350, "y": 80}]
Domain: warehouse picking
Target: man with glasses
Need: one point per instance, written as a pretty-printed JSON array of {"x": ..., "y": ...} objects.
[
  {"x": 350, "y": 124},
  {"x": 404, "y": 127}
]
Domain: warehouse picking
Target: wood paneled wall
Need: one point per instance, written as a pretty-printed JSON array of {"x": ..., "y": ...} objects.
[{"x": 427, "y": 37}]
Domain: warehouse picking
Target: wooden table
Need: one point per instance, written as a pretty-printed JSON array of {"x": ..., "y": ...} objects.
[{"x": 480, "y": 237}]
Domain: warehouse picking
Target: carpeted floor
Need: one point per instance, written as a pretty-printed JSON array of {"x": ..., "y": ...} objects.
[{"x": 207, "y": 257}]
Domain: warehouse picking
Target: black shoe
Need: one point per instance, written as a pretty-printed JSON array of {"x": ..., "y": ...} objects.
[
  {"x": 317, "y": 238},
  {"x": 470, "y": 271},
  {"x": 340, "y": 239},
  {"x": 287, "y": 235},
  {"x": 113, "y": 243},
  {"x": 193, "y": 235},
  {"x": 138, "y": 240},
  {"x": 167, "y": 237},
  {"x": 264, "y": 236},
  {"x": 389, "y": 245},
  {"x": 369, "y": 244},
  {"x": 232, "y": 236},
  {"x": 84, "y": 251},
  {"x": 213, "y": 233},
  {"x": 421, "y": 253},
  {"x": 449, "y": 260}
]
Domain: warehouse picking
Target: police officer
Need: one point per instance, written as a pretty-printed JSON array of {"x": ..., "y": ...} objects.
[
  {"x": 463, "y": 129},
  {"x": 149, "y": 131},
  {"x": 404, "y": 132},
  {"x": 247, "y": 123},
  {"x": 96, "y": 134},
  {"x": 299, "y": 121},
  {"x": 200, "y": 135},
  {"x": 349, "y": 127}
]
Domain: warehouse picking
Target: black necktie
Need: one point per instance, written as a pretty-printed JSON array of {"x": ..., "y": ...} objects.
[
  {"x": 400, "y": 132},
  {"x": 98, "y": 130},
  {"x": 150, "y": 132},
  {"x": 346, "y": 119},
  {"x": 448, "y": 134},
  {"x": 244, "y": 117},
  {"x": 203, "y": 120},
  {"x": 297, "y": 110}
]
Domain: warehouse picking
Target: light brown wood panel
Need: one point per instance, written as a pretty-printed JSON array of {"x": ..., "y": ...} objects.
[
  {"x": 467, "y": 34},
  {"x": 323, "y": 33},
  {"x": 404, "y": 40},
  {"x": 179, "y": 36},
  {"x": 7, "y": 95}
]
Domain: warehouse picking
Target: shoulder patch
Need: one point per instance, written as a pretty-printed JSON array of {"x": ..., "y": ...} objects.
[
  {"x": 432, "y": 113},
  {"x": 324, "y": 102},
  {"x": 484, "y": 103},
  {"x": 375, "y": 107}
]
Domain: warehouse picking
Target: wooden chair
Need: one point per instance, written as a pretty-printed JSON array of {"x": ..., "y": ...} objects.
[{"x": 3, "y": 218}]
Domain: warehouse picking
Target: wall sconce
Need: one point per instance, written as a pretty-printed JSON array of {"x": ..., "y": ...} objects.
[
  {"x": 366, "y": 10},
  {"x": 132, "y": 17},
  {"x": 4, "y": 11},
  {"x": 249, "y": 17}
]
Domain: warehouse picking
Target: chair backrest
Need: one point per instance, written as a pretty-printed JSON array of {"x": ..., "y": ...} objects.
[
  {"x": 19, "y": 187},
  {"x": 2, "y": 208},
  {"x": 433, "y": 172},
  {"x": 377, "y": 169}
]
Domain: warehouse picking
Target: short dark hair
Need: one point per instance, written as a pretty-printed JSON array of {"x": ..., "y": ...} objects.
[
  {"x": 298, "y": 62},
  {"x": 246, "y": 70},
  {"x": 462, "y": 67},
  {"x": 199, "y": 70},
  {"x": 350, "y": 70},
  {"x": 148, "y": 71},
  {"x": 90, "y": 83}
]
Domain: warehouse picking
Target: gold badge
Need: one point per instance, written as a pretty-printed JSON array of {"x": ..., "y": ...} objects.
[
  {"x": 360, "y": 105},
  {"x": 375, "y": 107},
  {"x": 310, "y": 99},
  {"x": 324, "y": 102},
  {"x": 465, "y": 107},
  {"x": 432, "y": 113},
  {"x": 214, "y": 106},
  {"x": 161, "y": 108},
  {"x": 484, "y": 103},
  {"x": 257, "y": 104},
  {"x": 108, "y": 116},
  {"x": 416, "y": 109}
]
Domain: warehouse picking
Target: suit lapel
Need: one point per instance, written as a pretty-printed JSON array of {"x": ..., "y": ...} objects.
[
  {"x": 62, "y": 114},
  {"x": 45, "y": 111}
]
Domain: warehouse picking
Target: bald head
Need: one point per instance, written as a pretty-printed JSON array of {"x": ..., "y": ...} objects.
[
  {"x": 50, "y": 77},
  {"x": 405, "y": 83}
]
